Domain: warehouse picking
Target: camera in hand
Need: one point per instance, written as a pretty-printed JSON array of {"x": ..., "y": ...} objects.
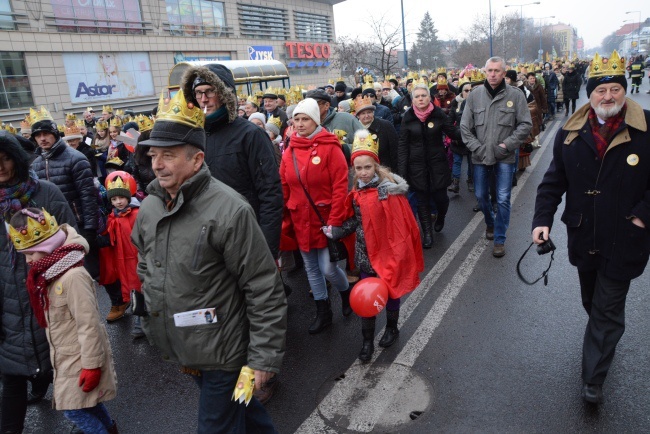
[{"x": 546, "y": 247}]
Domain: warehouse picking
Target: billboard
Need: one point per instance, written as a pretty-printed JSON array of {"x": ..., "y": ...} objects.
[
  {"x": 106, "y": 76},
  {"x": 103, "y": 16}
]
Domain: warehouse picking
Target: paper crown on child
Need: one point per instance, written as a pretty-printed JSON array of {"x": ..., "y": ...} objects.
[
  {"x": 101, "y": 125},
  {"x": 365, "y": 143},
  {"x": 39, "y": 228},
  {"x": 120, "y": 183},
  {"x": 116, "y": 122},
  {"x": 70, "y": 117}
]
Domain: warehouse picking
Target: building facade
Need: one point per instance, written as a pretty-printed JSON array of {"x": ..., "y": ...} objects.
[{"x": 67, "y": 55}]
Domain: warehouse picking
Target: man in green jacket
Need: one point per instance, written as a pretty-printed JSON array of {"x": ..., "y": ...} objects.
[{"x": 198, "y": 242}]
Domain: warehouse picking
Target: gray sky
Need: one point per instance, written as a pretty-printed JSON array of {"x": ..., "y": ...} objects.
[{"x": 594, "y": 19}]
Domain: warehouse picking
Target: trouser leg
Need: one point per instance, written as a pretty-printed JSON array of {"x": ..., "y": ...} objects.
[{"x": 14, "y": 403}]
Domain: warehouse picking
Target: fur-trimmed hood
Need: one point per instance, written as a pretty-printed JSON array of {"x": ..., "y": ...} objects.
[
  {"x": 226, "y": 96},
  {"x": 399, "y": 187}
]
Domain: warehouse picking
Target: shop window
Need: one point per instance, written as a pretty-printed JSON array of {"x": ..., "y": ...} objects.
[
  {"x": 92, "y": 16},
  {"x": 312, "y": 27},
  {"x": 195, "y": 17},
  {"x": 263, "y": 22},
  {"x": 14, "y": 82}
]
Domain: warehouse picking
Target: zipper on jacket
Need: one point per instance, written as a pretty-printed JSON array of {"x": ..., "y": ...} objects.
[
  {"x": 594, "y": 193},
  {"x": 199, "y": 247},
  {"x": 47, "y": 169},
  {"x": 76, "y": 212}
]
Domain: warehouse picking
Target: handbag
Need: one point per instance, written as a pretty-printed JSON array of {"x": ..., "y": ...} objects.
[{"x": 336, "y": 248}]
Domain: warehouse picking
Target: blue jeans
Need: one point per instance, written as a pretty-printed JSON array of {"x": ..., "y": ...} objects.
[
  {"x": 458, "y": 162},
  {"x": 93, "y": 420},
  {"x": 503, "y": 178},
  {"x": 319, "y": 268},
  {"x": 218, "y": 413}
]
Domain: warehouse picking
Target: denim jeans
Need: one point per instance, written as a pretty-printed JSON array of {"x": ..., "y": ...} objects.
[
  {"x": 218, "y": 413},
  {"x": 457, "y": 167},
  {"x": 319, "y": 268},
  {"x": 92, "y": 420},
  {"x": 503, "y": 178}
]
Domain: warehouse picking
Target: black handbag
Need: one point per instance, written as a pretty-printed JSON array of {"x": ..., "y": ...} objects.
[{"x": 336, "y": 248}]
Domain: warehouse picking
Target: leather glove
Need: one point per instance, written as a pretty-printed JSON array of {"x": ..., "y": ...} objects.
[
  {"x": 332, "y": 232},
  {"x": 89, "y": 379}
]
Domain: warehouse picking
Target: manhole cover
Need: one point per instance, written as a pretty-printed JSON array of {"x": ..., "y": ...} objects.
[{"x": 375, "y": 398}]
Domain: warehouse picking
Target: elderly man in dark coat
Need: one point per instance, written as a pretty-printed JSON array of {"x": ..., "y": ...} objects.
[
  {"x": 601, "y": 162},
  {"x": 383, "y": 131}
]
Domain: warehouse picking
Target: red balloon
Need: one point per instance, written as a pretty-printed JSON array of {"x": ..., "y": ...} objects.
[{"x": 369, "y": 297}]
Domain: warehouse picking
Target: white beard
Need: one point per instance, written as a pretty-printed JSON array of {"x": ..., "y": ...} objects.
[{"x": 604, "y": 113}]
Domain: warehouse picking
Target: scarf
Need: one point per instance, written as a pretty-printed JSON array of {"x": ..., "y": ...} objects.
[
  {"x": 47, "y": 270},
  {"x": 493, "y": 92},
  {"x": 13, "y": 198},
  {"x": 423, "y": 115},
  {"x": 604, "y": 133}
]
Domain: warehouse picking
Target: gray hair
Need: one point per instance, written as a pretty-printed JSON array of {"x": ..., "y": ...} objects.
[
  {"x": 419, "y": 86},
  {"x": 497, "y": 59}
]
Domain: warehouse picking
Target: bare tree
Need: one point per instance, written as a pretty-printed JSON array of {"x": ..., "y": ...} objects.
[
  {"x": 349, "y": 55},
  {"x": 387, "y": 38}
]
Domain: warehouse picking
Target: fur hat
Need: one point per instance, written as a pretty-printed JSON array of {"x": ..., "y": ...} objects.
[{"x": 309, "y": 107}]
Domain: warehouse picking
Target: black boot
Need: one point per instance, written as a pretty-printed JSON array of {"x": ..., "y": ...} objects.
[
  {"x": 391, "y": 332},
  {"x": 368, "y": 345},
  {"x": 425, "y": 221},
  {"x": 323, "y": 316},
  {"x": 455, "y": 186},
  {"x": 346, "y": 310},
  {"x": 440, "y": 222}
]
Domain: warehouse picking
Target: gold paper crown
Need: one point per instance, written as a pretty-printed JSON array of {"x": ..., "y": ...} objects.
[
  {"x": 252, "y": 99},
  {"x": 101, "y": 125},
  {"x": 442, "y": 81},
  {"x": 341, "y": 134},
  {"x": 70, "y": 117},
  {"x": 116, "y": 122},
  {"x": 80, "y": 123},
  {"x": 26, "y": 124},
  {"x": 180, "y": 111},
  {"x": 9, "y": 128},
  {"x": 462, "y": 81},
  {"x": 72, "y": 131},
  {"x": 39, "y": 228},
  {"x": 275, "y": 120},
  {"x": 386, "y": 85},
  {"x": 420, "y": 81},
  {"x": 117, "y": 182},
  {"x": 119, "y": 112},
  {"x": 389, "y": 77},
  {"x": 145, "y": 123},
  {"x": 107, "y": 109},
  {"x": 363, "y": 141},
  {"x": 90, "y": 109},
  {"x": 603, "y": 67},
  {"x": 476, "y": 76},
  {"x": 363, "y": 103},
  {"x": 368, "y": 82},
  {"x": 61, "y": 128},
  {"x": 259, "y": 94},
  {"x": 340, "y": 79},
  {"x": 412, "y": 75},
  {"x": 424, "y": 73},
  {"x": 40, "y": 115},
  {"x": 117, "y": 161}
]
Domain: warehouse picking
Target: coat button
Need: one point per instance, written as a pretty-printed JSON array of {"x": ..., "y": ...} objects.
[
  {"x": 24, "y": 280},
  {"x": 157, "y": 264}
]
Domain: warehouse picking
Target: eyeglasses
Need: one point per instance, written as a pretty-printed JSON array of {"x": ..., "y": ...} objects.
[{"x": 208, "y": 93}]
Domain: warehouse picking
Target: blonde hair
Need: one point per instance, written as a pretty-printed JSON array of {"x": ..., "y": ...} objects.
[{"x": 384, "y": 173}]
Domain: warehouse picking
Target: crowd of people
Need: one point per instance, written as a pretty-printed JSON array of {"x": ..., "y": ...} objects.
[{"x": 168, "y": 212}]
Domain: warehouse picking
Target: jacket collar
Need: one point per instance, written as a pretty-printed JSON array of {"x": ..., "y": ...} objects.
[
  {"x": 634, "y": 117},
  {"x": 190, "y": 188}
]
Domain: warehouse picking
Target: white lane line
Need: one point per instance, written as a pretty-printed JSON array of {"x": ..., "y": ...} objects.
[{"x": 367, "y": 412}]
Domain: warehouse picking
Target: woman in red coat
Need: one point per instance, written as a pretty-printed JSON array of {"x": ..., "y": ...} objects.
[{"x": 316, "y": 155}]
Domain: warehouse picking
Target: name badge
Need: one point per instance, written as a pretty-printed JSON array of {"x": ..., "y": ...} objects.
[{"x": 195, "y": 317}]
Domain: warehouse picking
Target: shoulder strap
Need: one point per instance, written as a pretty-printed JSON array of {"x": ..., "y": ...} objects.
[{"x": 311, "y": 201}]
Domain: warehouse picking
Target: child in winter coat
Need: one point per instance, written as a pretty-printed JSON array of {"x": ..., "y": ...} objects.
[
  {"x": 62, "y": 296},
  {"x": 118, "y": 255},
  {"x": 387, "y": 237}
]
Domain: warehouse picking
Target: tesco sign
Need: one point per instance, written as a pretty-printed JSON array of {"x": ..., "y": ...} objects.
[{"x": 307, "y": 50}]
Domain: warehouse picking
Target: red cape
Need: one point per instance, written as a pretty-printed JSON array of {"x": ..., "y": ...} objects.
[
  {"x": 392, "y": 239},
  {"x": 120, "y": 260}
]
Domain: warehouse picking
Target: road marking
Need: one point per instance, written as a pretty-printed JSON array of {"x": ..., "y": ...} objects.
[{"x": 377, "y": 391}]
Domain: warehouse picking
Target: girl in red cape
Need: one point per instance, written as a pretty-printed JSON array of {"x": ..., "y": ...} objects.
[{"x": 387, "y": 242}]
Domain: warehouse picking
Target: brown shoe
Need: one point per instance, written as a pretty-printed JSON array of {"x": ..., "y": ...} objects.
[
  {"x": 117, "y": 312},
  {"x": 489, "y": 233},
  {"x": 265, "y": 393},
  {"x": 499, "y": 250}
]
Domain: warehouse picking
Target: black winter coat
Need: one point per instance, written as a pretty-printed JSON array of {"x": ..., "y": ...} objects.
[
  {"x": 571, "y": 85},
  {"x": 602, "y": 196},
  {"x": 456, "y": 114},
  {"x": 421, "y": 155},
  {"x": 388, "y": 142},
  {"x": 70, "y": 170},
  {"x": 89, "y": 153},
  {"x": 23, "y": 346}
]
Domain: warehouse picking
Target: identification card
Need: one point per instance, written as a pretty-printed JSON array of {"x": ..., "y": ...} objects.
[{"x": 195, "y": 317}]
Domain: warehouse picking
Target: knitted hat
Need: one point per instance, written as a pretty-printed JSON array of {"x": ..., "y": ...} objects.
[
  {"x": 370, "y": 92},
  {"x": 594, "y": 82},
  {"x": 309, "y": 107},
  {"x": 345, "y": 106},
  {"x": 272, "y": 125},
  {"x": 120, "y": 183},
  {"x": 512, "y": 75},
  {"x": 340, "y": 87},
  {"x": 258, "y": 116}
]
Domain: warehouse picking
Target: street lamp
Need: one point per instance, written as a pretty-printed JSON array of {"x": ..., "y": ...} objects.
[
  {"x": 540, "y": 52},
  {"x": 406, "y": 61},
  {"x": 521, "y": 27},
  {"x": 638, "y": 30}
]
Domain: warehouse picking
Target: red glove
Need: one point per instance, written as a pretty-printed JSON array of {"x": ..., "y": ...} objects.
[{"x": 89, "y": 379}]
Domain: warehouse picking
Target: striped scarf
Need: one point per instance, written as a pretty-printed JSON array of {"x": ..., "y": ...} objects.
[
  {"x": 16, "y": 197},
  {"x": 47, "y": 270},
  {"x": 603, "y": 134}
]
